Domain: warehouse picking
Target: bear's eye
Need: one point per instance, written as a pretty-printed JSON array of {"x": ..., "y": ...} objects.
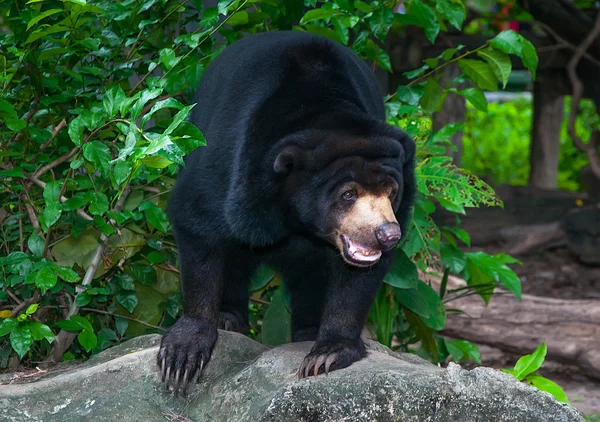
[{"x": 349, "y": 195}]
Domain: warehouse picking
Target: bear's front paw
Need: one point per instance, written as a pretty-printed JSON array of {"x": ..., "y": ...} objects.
[
  {"x": 330, "y": 355},
  {"x": 184, "y": 350}
]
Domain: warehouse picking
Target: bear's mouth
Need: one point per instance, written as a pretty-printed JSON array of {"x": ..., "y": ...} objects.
[{"x": 357, "y": 254}]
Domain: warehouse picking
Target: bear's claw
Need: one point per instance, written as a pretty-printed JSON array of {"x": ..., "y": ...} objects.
[
  {"x": 184, "y": 351},
  {"x": 330, "y": 356}
]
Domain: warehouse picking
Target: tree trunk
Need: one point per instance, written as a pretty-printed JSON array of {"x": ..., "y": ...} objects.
[
  {"x": 453, "y": 111},
  {"x": 548, "y": 115},
  {"x": 570, "y": 328}
]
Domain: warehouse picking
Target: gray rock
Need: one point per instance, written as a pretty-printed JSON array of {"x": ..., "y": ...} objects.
[{"x": 246, "y": 381}]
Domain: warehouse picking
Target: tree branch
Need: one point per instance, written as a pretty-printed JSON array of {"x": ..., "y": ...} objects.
[
  {"x": 590, "y": 148},
  {"x": 55, "y": 163},
  {"x": 42, "y": 185},
  {"x": 63, "y": 339}
]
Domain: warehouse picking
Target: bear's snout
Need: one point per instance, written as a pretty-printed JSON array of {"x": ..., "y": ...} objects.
[{"x": 388, "y": 235}]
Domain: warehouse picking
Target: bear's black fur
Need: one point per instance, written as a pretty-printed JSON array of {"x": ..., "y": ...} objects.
[{"x": 296, "y": 132}]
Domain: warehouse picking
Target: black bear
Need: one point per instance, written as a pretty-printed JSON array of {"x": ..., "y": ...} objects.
[{"x": 301, "y": 172}]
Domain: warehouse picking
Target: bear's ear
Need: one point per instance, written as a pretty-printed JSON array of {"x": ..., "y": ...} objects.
[{"x": 287, "y": 159}]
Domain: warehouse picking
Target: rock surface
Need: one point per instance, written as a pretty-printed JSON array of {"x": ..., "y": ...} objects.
[{"x": 246, "y": 381}]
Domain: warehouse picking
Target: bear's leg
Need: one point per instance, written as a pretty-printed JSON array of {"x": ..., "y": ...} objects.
[
  {"x": 240, "y": 265},
  {"x": 350, "y": 293},
  {"x": 307, "y": 301},
  {"x": 187, "y": 346}
]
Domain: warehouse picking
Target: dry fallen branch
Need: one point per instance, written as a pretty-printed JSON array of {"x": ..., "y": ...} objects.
[{"x": 570, "y": 328}]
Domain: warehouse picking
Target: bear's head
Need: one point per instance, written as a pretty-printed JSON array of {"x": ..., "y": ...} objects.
[{"x": 352, "y": 189}]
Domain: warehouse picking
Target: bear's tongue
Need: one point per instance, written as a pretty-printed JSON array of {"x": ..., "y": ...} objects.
[{"x": 362, "y": 253}]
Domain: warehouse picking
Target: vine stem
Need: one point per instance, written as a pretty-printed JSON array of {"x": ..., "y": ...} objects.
[{"x": 432, "y": 71}]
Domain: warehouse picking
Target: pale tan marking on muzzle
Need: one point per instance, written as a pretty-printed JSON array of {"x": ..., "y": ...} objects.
[{"x": 367, "y": 213}]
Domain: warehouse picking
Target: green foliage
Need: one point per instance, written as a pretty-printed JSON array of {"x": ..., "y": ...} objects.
[
  {"x": 88, "y": 159},
  {"x": 525, "y": 368},
  {"x": 497, "y": 142}
]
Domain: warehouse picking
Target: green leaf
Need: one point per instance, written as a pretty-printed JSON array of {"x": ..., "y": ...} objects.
[
  {"x": 452, "y": 206},
  {"x": 36, "y": 244},
  {"x": 476, "y": 97},
  {"x": 530, "y": 58},
  {"x": 121, "y": 171},
  {"x": 155, "y": 216},
  {"x": 21, "y": 339},
  {"x": 43, "y": 279},
  {"x": 164, "y": 140},
  {"x": 461, "y": 234},
  {"x": 427, "y": 19},
  {"x": 52, "y": 193},
  {"x": 156, "y": 257},
  {"x": 417, "y": 72},
  {"x": 125, "y": 281},
  {"x": 13, "y": 172},
  {"x": 484, "y": 284},
  {"x": 7, "y": 110},
  {"x": 410, "y": 95},
  {"x": 544, "y": 384},
  {"x": 528, "y": 364},
  {"x": 112, "y": 100},
  {"x": 83, "y": 299},
  {"x": 87, "y": 339},
  {"x": 99, "y": 155},
  {"x": 159, "y": 105},
  {"x": 479, "y": 72},
  {"x": 454, "y": 12},
  {"x": 319, "y": 14},
  {"x": 128, "y": 300},
  {"x": 79, "y": 200},
  {"x": 69, "y": 325},
  {"x": 438, "y": 177},
  {"x": 42, "y": 16},
  {"x": 168, "y": 58},
  {"x": 145, "y": 96},
  {"x": 262, "y": 276},
  {"x": 431, "y": 101},
  {"x": 76, "y": 129},
  {"x": 403, "y": 273},
  {"x": 31, "y": 309},
  {"x": 381, "y": 21},
  {"x": 498, "y": 271},
  {"x": 99, "y": 204},
  {"x": 453, "y": 258},
  {"x": 240, "y": 17},
  {"x": 508, "y": 42},
  {"x": 7, "y": 325},
  {"x": 156, "y": 162},
  {"x": 276, "y": 327},
  {"x": 66, "y": 274},
  {"x": 463, "y": 349},
  {"x": 143, "y": 273},
  {"x": 82, "y": 322},
  {"x": 499, "y": 62},
  {"x": 40, "y": 331},
  {"x": 15, "y": 124}
]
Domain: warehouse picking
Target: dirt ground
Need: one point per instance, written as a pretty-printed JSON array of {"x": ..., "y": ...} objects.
[{"x": 555, "y": 273}]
